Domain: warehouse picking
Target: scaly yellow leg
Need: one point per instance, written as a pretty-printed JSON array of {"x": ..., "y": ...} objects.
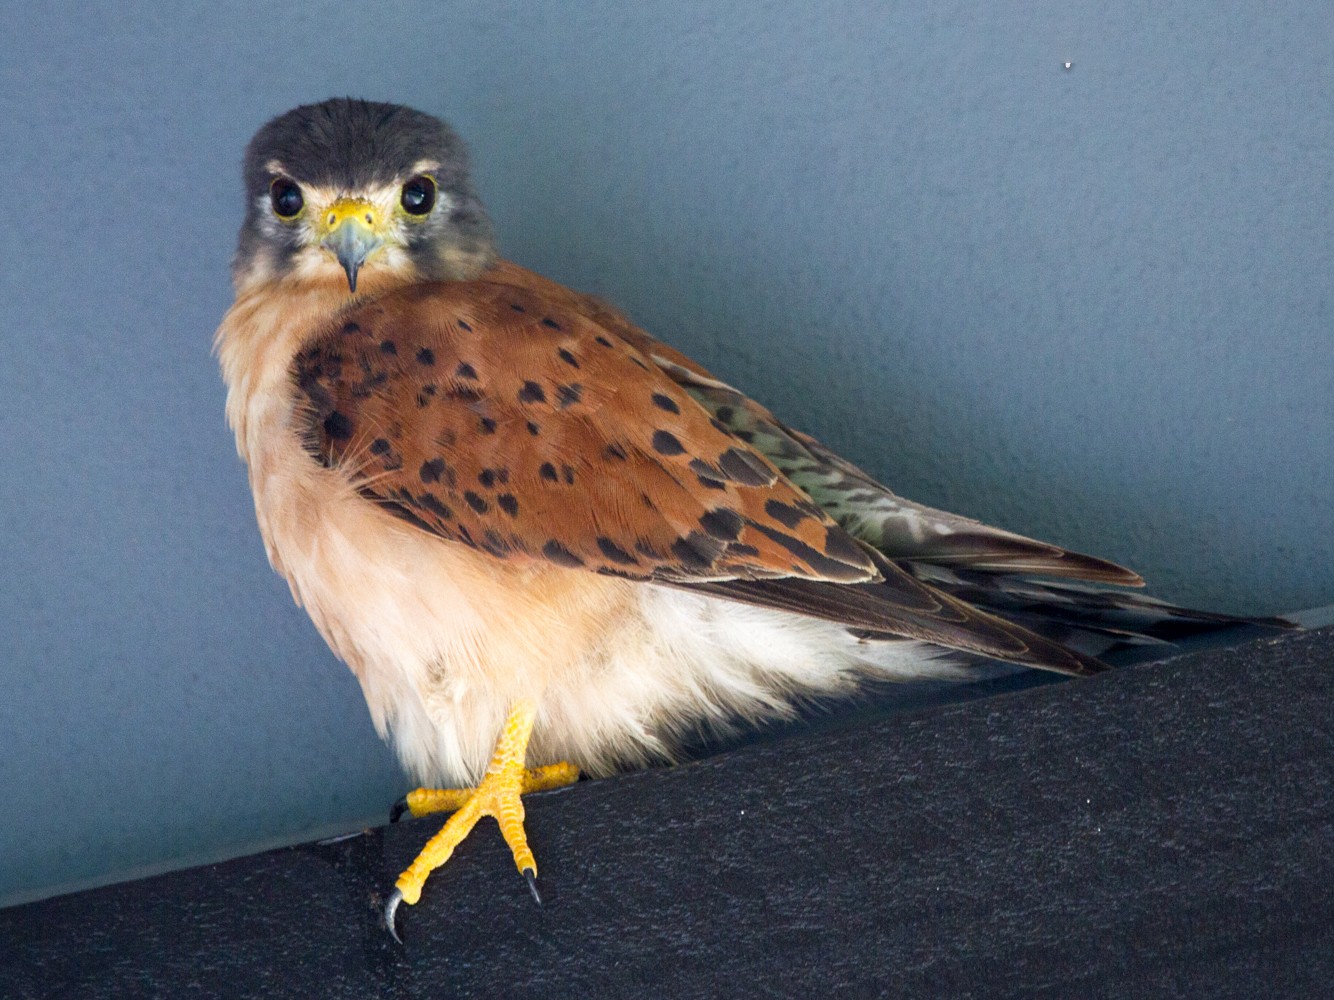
[{"x": 498, "y": 795}]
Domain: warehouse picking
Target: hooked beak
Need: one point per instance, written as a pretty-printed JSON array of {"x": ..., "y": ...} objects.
[{"x": 352, "y": 233}]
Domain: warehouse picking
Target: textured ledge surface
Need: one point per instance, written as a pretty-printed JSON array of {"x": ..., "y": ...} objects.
[{"x": 1164, "y": 829}]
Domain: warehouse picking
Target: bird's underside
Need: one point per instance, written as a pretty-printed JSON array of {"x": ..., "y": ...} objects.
[{"x": 514, "y": 513}]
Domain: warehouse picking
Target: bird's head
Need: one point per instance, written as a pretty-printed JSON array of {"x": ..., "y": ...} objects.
[{"x": 361, "y": 189}]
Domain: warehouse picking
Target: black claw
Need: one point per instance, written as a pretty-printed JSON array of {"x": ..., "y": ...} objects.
[
  {"x": 389, "y": 908},
  {"x": 531, "y": 876},
  {"x": 398, "y": 809}
]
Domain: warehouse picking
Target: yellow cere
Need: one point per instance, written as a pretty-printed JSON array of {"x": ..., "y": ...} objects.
[{"x": 356, "y": 209}]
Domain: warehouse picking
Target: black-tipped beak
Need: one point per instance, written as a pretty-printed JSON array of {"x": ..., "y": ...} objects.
[
  {"x": 352, "y": 232},
  {"x": 351, "y": 241}
]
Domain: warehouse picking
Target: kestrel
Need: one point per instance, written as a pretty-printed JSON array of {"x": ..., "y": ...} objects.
[{"x": 542, "y": 539}]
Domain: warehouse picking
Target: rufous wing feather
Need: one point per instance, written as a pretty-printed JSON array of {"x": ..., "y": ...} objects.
[
  {"x": 495, "y": 416},
  {"x": 520, "y": 418}
]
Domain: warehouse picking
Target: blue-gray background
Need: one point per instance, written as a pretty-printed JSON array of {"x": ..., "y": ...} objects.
[{"x": 1092, "y": 305}]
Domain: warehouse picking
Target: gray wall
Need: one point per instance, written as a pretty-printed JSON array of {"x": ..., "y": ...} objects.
[{"x": 1091, "y": 305}]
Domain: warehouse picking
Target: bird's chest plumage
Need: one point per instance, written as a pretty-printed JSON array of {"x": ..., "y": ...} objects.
[{"x": 442, "y": 638}]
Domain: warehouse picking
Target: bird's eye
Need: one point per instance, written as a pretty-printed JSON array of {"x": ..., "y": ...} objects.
[
  {"x": 286, "y": 198},
  {"x": 418, "y": 195}
]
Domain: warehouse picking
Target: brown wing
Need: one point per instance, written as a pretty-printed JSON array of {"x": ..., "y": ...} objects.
[
  {"x": 496, "y": 417},
  {"x": 515, "y": 416}
]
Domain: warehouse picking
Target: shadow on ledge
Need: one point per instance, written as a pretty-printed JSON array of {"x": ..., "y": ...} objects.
[{"x": 1164, "y": 830}]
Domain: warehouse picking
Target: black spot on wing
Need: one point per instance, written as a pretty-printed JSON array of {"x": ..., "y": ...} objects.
[
  {"x": 697, "y": 551},
  {"x": 647, "y": 550},
  {"x": 722, "y": 524},
  {"x": 560, "y": 555},
  {"x": 465, "y": 394},
  {"x": 615, "y": 553},
  {"x": 666, "y": 443},
  {"x": 744, "y": 468},
  {"x": 337, "y": 426},
  {"x": 496, "y": 545},
  {"x": 784, "y": 513},
  {"x": 431, "y": 502},
  {"x": 665, "y": 403},
  {"x": 815, "y": 559},
  {"x": 840, "y": 545}
]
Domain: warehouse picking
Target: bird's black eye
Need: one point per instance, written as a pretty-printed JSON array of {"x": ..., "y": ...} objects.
[
  {"x": 418, "y": 195},
  {"x": 286, "y": 198}
]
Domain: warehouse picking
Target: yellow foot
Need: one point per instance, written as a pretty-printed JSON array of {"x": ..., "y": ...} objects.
[
  {"x": 425, "y": 801},
  {"x": 498, "y": 795}
]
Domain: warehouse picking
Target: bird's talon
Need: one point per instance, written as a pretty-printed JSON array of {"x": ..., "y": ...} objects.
[
  {"x": 397, "y": 810},
  {"x": 390, "y": 908},
  {"x": 531, "y": 876}
]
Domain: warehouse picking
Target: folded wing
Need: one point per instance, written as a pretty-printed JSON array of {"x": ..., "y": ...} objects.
[{"x": 525, "y": 420}]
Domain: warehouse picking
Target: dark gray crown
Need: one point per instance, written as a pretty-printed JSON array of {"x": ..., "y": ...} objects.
[{"x": 350, "y": 143}]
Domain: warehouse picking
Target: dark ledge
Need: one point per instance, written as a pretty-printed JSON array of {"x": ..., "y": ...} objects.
[{"x": 1164, "y": 830}]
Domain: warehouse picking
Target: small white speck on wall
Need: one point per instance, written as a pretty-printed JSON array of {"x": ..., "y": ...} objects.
[{"x": 1067, "y": 65}]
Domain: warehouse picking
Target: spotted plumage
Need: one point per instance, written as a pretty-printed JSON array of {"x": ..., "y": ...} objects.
[
  {"x": 508, "y": 366},
  {"x": 511, "y": 510}
]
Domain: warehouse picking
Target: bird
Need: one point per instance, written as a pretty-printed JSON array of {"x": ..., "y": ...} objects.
[{"x": 548, "y": 544}]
